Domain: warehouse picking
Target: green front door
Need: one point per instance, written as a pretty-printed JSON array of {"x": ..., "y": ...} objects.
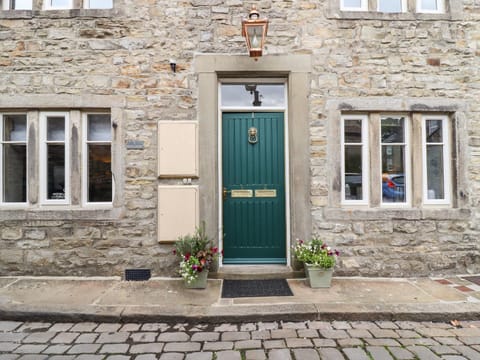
[{"x": 253, "y": 188}]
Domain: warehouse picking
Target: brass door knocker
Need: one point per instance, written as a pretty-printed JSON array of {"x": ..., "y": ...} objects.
[{"x": 252, "y": 135}]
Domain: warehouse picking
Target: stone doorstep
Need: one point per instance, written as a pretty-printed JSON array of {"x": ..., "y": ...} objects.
[{"x": 256, "y": 272}]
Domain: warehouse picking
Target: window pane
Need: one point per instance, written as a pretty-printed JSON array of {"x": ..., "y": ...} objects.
[
  {"x": 56, "y": 172},
  {"x": 353, "y": 131},
  {"x": 434, "y": 131},
  {"x": 352, "y": 3},
  {"x": 353, "y": 172},
  {"x": 14, "y": 173},
  {"x": 435, "y": 174},
  {"x": 55, "y": 128},
  {"x": 22, "y": 4},
  {"x": 393, "y": 130},
  {"x": 99, "y": 173},
  {"x": 99, "y": 127},
  {"x": 61, "y": 4},
  {"x": 390, "y": 5},
  {"x": 393, "y": 173},
  {"x": 246, "y": 95},
  {"x": 101, "y": 4},
  {"x": 431, "y": 5},
  {"x": 15, "y": 128}
]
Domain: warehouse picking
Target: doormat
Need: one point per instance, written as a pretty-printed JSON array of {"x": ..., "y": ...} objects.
[
  {"x": 473, "y": 279},
  {"x": 255, "y": 288}
]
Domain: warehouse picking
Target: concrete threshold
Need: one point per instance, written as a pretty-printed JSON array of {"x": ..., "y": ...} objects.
[{"x": 256, "y": 272}]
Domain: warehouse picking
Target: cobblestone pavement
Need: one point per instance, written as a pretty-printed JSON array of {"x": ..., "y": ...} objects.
[{"x": 307, "y": 340}]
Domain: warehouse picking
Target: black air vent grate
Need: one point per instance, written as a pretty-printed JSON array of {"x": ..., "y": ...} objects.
[{"x": 137, "y": 274}]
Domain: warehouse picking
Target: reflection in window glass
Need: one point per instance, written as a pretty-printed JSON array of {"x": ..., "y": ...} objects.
[
  {"x": 21, "y": 4},
  {"x": 100, "y": 4},
  {"x": 247, "y": 95},
  {"x": 430, "y": 5},
  {"x": 55, "y": 172},
  {"x": 393, "y": 160},
  {"x": 99, "y": 158},
  {"x": 352, "y": 3},
  {"x": 55, "y": 162},
  {"x": 435, "y": 159},
  {"x": 393, "y": 130},
  {"x": 99, "y": 126},
  {"x": 14, "y": 158},
  {"x": 15, "y": 128},
  {"x": 390, "y": 5},
  {"x": 55, "y": 128},
  {"x": 353, "y": 159},
  {"x": 60, "y": 4}
]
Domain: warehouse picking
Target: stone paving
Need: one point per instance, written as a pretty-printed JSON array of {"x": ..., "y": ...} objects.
[{"x": 306, "y": 340}]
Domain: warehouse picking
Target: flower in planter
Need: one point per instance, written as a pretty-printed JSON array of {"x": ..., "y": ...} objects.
[
  {"x": 196, "y": 253},
  {"x": 315, "y": 252}
]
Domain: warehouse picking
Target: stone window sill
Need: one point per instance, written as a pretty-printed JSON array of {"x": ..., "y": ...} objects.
[
  {"x": 60, "y": 214},
  {"x": 57, "y": 14},
  {"x": 362, "y": 214},
  {"x": 407, "y": 16}
]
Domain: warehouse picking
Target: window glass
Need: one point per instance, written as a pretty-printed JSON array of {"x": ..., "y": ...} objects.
[
  {"x": 55, "y": 172},
  {"x": 99, "y": 159},
  {"x": 55, "y": 165},
  {"x": 99, "y": 173},
  {"x": 55, "y": 128},
  {"x": 247, "y": 95},
  {"x": 100, "y": 4},
  {"x": 15, "y": 128},
  {"x": 430, "y": 5},
  {"x": 21, "y": 4},
  {"x": 435, "y": 159},
  {"x": 353, "y": 159},
  {"x": 390, "y": 5},
  {"x": 99, "y": 126},
  {"x": 393, "y": 160},
  {"x": 352, "y": 3},
  {"x": 60, "y": 4},
  {"x": 14, "y": 159},
  {"x": 434, "y": 131}
]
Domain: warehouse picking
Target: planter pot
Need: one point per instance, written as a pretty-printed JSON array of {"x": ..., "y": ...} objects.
[
  {"x": 318, "y": 277},
  {"x": 200, "y": 282}
]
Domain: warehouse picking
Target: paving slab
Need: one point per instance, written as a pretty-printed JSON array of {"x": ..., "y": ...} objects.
[{"x": 167, "y": 300}]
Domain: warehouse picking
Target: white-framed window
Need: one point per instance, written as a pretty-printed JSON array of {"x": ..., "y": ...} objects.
[
  {"x": 54, "y": 158},
  {"x": 97, "y": 177},
  {"x": 395, "y": 159},
  {"x": 354, "y": 5},
  {"x": 17, "y": 5},
  {"x": 58, "y": 4},
  {"x": 13, "y": 155},
  {"x": 392, "y": 6},
  {"x": 354, "y": 136},
  {"x": 436, "y": 159},
  {"x": 98, "y": 4},
  {"x": 431, "y": 6}
]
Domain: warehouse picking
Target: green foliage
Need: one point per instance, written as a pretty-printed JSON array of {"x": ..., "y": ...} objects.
[
  {"x": 196, "y": 253},
  {"x": 315, "y": 252},
  {"x": 192, "y": 244}
]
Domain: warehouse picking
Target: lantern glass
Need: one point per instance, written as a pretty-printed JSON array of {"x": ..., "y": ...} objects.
[{"x": 255, "y": 34}]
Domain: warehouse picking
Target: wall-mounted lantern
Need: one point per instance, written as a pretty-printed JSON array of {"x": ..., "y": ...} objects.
[{"x": 254, "y": 30}]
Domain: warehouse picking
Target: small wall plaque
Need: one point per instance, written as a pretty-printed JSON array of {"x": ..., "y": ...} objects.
[
  {"x": 135, "y": 144},
  {"x": 242, "y": 193}
]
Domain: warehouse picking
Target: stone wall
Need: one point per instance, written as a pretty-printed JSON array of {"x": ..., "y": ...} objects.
[{"x": 125, "y": 52}]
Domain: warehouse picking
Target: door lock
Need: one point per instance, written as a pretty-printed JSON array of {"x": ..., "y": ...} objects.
[{"x": 225, "y": 193}]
